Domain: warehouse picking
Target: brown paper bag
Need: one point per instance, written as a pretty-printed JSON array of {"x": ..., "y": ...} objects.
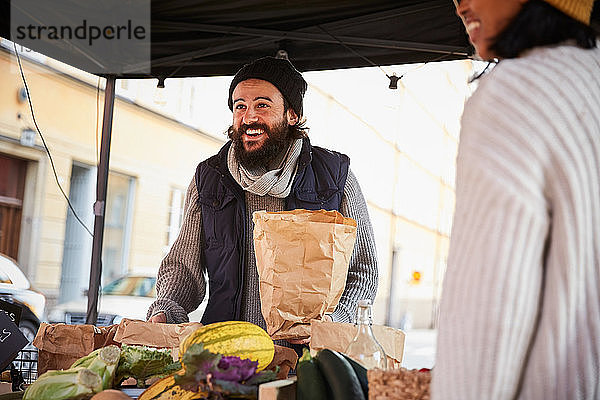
[
  {"x": 60, "y": 345},
  {"x": 285, "y": 358},
  {"x": 302, "y": 259},
  {"x": 337, "y": 336},
  {"x": 142, "y": 333}
]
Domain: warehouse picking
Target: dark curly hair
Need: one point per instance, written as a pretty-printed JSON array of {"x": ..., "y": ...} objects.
[
  {"x": 540, "y": 24},
  {"x": 298, "y": 130}
]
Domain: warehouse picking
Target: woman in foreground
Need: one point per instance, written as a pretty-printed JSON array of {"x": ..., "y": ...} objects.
[{"x": 520, "y": 312}]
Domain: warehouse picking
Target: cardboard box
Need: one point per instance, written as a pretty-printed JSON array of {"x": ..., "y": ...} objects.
[{"x": 337, "y": 336}]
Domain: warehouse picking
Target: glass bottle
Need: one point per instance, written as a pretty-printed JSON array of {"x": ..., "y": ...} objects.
[{"x": 364, "y": 348}]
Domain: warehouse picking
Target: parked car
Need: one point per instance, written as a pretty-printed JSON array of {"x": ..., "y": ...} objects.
[
  {"x": 15, "y": 288},
  {"x": 127, "y": 297}
]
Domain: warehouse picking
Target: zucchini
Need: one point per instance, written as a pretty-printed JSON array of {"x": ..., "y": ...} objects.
[
  {"x": 361, "y": 374},
  {"x": 340, "y": 376},
  {"x": 310, "y": 384}
]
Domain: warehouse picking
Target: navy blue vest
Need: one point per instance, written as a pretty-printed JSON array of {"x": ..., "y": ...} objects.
[{"x": 319, "y": 184}]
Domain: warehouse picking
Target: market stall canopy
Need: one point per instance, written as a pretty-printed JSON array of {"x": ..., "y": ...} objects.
[
  {"x": 192, "y": 38},
  {"x": 206, "y": 38}
]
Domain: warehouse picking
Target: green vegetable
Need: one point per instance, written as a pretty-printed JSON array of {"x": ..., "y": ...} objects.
[
  {"x": 71, "y": 384},
  {"x": 311, "y": 384},
  {"x": 361, "y": 374},
  {"x": 85, "y": 360},
  {"x": 103, "y": 362},
  {"x": 339, "y": 375},
  {"x": 141, "y": 363}
]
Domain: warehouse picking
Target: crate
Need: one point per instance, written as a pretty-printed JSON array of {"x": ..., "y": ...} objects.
[{"x": 26, "y": 364}]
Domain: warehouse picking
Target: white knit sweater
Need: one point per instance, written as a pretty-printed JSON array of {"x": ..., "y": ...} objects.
[{"x": 520, "y": 312}]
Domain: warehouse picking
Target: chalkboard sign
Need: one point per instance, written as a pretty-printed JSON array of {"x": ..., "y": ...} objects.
[
  {"x": 11, "y": 340},
  {"x": 13, "y": 311}
]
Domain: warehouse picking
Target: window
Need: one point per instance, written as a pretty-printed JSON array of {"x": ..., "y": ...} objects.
[
  {"x": 175, "y": 216},
  {"x": 117, "y": 229},
  {"x": 77, "y": 248}
]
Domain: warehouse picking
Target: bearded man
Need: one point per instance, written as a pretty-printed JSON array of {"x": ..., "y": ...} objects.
[{"x": 269, "y": 164}]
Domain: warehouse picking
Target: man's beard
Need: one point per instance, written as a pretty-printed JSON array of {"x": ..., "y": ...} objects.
[{"x": 277, "y": 141}]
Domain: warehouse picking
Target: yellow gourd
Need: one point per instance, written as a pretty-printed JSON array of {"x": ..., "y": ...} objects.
[
  {"x": 233, "y": 338},
  {"x": 166, "y": 389}
]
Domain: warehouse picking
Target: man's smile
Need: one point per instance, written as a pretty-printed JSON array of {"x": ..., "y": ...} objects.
[
  {"x": 254, "y": 137},
  {"x": 254, "y": 131}
]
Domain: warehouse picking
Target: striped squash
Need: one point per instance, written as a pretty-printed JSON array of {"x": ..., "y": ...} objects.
[{"x": 233, "y": 338}]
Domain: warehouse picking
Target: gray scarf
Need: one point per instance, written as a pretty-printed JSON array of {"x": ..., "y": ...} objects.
[{"x": 260, "y": 181}]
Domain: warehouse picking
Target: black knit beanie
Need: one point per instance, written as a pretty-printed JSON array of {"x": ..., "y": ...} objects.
[{"x": 278, "y": 71}]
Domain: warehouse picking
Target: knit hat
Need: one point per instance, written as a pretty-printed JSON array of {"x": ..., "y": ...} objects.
[
  {"x": 278, "y": 71},
  {"x": 581, "y": 10}
]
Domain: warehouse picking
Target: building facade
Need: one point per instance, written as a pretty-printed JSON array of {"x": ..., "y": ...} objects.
[{"x": 153, "y": 158}]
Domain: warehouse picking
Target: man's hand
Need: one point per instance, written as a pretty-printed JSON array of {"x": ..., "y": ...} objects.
[{"x": 160, "y": 318}]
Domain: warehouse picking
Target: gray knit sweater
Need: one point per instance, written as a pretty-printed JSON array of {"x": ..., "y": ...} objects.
[{"x": 181, "y": 284}]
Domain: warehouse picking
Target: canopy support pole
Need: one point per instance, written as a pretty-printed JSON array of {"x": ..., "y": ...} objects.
[{"x": 100, "y": 204}]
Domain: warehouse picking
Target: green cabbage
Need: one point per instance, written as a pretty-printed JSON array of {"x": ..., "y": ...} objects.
[
  {"x": 141, "y": 363},
  {"x": 104, "y": 362},
  {"x": 71, "y": 384}
]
